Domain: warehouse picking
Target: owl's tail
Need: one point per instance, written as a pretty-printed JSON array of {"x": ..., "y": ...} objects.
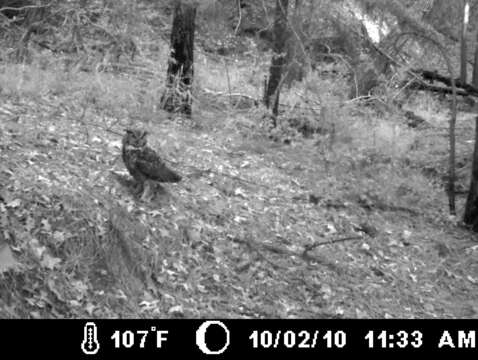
[
  {"x": 171, "y": 176},
  {"x": 168, "y": 175}
]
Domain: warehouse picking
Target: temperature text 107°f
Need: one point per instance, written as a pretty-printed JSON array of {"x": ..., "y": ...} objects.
[{"x": 140, "y": 338}]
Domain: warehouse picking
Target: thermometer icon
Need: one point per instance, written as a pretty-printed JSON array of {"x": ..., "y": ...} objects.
[{"x": 90, "y": 344}]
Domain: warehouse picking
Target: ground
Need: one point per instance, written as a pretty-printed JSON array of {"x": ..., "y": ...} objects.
[{"x": 240, "y": 235}]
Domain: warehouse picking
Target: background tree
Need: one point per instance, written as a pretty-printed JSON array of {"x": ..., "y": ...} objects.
[
  {"x": 463, "y": 38},
  {"x": 177, "y": 96},
  {"x": 278, "y": 62},
  {"x": 475, "y": 63},
  {"x": 471, "y": 208}
]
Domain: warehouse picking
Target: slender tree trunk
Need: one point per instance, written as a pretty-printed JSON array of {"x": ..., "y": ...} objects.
[
  {"x": 471, "y": 208},
  {"x": 177, "y": 96},
  {"x": 278, "y": 62},
  {"x": 475, "y": 65},
  {"x": 464, "y": 28}
]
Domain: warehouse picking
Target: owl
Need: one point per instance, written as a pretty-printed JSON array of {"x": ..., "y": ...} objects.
[{"x": 143, "y": 163}]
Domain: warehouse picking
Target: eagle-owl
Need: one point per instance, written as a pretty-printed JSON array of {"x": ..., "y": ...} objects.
[{"x": 142, "y": 162}]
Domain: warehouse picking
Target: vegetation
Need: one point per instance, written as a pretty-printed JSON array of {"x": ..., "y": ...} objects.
[{"x": 344, "y": 197}]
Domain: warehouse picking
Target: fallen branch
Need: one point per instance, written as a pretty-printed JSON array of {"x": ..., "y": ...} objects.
[
  {"x": 438, "y": 89},
  {"x": 310, "y": 247},
  {"x": 256, "y": 102},
  {"x": 10, "y": 8},
  {"x": 252, "y": 245},
  {"x": 433, "y": 75},
  {"x": 257, "y": 246},
  {"x": 230, "y": 94}
]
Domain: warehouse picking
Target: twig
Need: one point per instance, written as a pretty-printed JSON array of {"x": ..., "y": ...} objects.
[
  {"x": 250, "y": 245},
  {"x": 307, "y": 99},
  {"x": 240, "y": 17},
  {"x": 222, "y": 93},
  {"x": 359, "y": 98},
  {"x": 24, "y": 7},
  {"x": 311, "y": 247},
  {"x": 228, "y": 81},
  {"x": 255, "y": 245}
]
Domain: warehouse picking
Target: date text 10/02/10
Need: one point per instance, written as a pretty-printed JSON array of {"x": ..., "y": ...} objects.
[{"x": 298, "y": 339}]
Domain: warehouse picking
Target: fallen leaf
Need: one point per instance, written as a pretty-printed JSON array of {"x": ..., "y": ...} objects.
[
  {"x": 7, "y": 261},
  {"x": 49, "y": 261},
  {"x": 90, "y": 308},
  {"x": 46, "y": 225},
  {"x": 239, "y": 192},
  {"x": 29, "y": 224},
  {"x": 59, "y": 237},
  {"x": 36, "y": 248},
  {"x": 430, "y": 308},
  {"x": 330, "y": 229},
  {"x": 14, "y": 203},
  {"x": 176, "y": 310},
  {"x": 472, "y": 280}
]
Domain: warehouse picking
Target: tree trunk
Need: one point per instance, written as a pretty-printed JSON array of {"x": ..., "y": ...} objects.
[
  {"x": 464, "y": 27},
  {"x": 475, "y": 65},
  {"x": 471, "y": 208},
  {"x": 177, "y": 96},
  {"x": 278, "y": 62},
  {"x": 297, "y": 61}
]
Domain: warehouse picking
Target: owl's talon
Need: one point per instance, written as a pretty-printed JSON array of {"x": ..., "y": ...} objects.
[
  {"x": 138, "y": 189},
  {"x": 147, "y": 193}
]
